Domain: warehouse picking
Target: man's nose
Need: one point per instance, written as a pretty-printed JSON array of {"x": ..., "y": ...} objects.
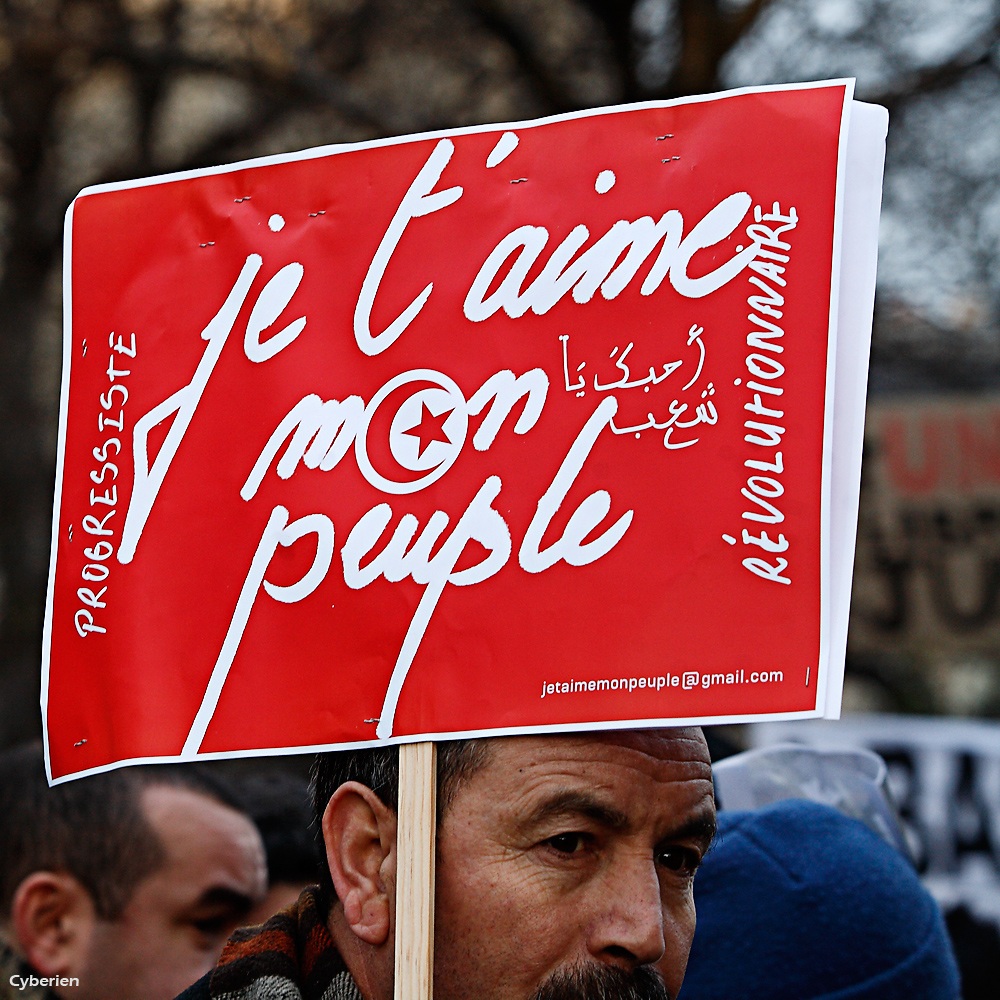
[{"x": 629, "y": 930}]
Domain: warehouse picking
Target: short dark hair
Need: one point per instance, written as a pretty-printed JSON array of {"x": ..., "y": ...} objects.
[
  {"x": 278, "y": 802},
  {"x": 378, "y": 769},
  {"x": 92, "y": 828}
]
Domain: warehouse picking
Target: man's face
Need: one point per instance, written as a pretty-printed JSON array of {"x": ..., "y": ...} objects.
[
  {"x": 567, "y": 861},
  {"x": 177, "y": 920}
]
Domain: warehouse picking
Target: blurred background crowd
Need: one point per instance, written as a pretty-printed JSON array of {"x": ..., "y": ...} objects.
[{"x": 101, "y": 90}]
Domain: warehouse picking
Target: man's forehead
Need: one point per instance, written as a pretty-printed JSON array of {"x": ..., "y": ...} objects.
[
  {"x": 176, "y": 806},
  {"x": 631, "y": 780},
  {"x": 206, "y": 843},
  {"x": 677, "y": 744},
  {"x": 189, "y": 823},
  {"x": 672, "y": 753}
]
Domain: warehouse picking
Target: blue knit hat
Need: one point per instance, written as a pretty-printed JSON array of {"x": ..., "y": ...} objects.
[{"x": 798, "y": 902}]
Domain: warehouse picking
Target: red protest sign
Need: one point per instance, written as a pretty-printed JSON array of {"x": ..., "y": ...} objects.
[{"x": 497, "y": 429}]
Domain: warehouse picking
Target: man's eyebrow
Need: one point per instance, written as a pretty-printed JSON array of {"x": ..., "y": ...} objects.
[
  {"x": 219, "y": 898},
  {"x": 701, "y": 828},
  {"x": 572, "y": 803}
]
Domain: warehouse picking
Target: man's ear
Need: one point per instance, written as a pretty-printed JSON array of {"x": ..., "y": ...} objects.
[
  {"x": 359, "y": 832},
  {"x": 53, "y": 916}
]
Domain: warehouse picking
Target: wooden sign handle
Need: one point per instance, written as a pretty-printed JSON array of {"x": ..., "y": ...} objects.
[{"x": 415, "y": 839}]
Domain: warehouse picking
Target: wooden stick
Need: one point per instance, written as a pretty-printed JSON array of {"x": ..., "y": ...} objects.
[{"x": 415, "y": 839}]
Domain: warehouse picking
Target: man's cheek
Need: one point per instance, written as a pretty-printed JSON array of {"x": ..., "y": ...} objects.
[
  {"x": 678, "y": 934},
  {"x": 463, "y": 875},
  {"x": 532, "y": 879}
]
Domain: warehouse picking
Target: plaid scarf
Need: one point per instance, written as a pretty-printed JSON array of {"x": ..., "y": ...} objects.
[{"x": 291, "y": 957}]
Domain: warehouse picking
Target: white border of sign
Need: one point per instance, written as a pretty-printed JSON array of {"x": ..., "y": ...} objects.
[
  {"x": 865, "y": 160},
  {"x": 859, "y": 170}
]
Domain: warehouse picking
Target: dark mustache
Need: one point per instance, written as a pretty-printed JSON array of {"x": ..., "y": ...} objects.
[{"x": 604, "y": 982}]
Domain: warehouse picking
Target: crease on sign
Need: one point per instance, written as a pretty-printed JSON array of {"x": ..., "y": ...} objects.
[
  {"x": 278, "y": 532},
  {"x": 183, "y": 402},
  {"x": 480, "y": 522}
]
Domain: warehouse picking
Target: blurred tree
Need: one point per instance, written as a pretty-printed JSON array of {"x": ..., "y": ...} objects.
[{"x": 936, "y": 65}]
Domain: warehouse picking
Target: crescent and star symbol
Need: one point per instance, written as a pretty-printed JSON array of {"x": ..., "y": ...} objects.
[
  {"x": 429, "y": 428},
  {"x": 426, "y": 433}
]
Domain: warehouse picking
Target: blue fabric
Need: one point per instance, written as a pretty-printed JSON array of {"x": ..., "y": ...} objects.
[{"x": 798, "y": 902}]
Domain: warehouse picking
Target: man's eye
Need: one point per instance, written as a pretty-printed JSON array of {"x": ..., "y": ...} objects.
[
  {"x": 214, "y": 930},
  {"x": 213, "y": 926},
  {"x": 678, "y": 859},
  {"x": 566, "y": 843}
]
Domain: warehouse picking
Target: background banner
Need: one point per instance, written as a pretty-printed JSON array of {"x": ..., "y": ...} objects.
[{"x": 510, "y": 428}]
